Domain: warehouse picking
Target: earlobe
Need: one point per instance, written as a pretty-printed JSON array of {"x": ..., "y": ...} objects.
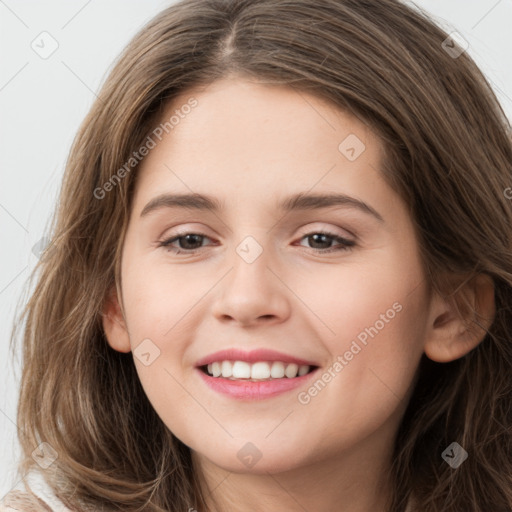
[
  {"x": 114, "y": 323},
  {"x": 459, "y": 324}
]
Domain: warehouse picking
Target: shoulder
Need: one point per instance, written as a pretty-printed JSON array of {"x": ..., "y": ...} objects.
[
  {"x": 16, "y": 500},
  {"x": 32, "y": 495}
]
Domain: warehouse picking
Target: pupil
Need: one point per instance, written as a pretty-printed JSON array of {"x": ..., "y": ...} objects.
[
  {"x": 189, "y": 239},
  {"x": 316, "y": 237}
]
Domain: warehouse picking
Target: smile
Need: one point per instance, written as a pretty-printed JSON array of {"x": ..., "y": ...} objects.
[
  {"x": 249, "y": 389},
  {"x": 258, "y": 371}
]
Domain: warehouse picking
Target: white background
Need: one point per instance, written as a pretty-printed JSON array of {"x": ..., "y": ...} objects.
[{"x": 43, "y": 101}]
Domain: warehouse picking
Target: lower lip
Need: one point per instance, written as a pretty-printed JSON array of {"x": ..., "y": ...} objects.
[{"x": 246, "y": 390}]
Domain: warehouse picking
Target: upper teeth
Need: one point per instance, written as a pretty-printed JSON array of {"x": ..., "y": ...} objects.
[{"x": 259, "y": 370}]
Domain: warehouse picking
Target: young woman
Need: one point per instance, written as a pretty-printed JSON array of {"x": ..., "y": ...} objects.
[{"x": 280, "y": 272}]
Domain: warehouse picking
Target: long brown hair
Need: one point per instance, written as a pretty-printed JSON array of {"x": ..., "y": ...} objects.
[{"x": 448, "y": 155}]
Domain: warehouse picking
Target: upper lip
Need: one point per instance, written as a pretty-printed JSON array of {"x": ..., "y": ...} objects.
[{"x": 233, "y": 354}]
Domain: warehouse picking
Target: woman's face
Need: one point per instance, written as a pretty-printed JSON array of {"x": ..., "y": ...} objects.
[{"x": 278, "y": 168}]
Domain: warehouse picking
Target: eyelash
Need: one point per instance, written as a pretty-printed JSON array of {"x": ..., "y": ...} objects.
[{"x": 346, "y": 244}]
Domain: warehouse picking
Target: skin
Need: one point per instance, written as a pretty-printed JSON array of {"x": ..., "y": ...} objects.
[{"x": 250, "y": 145}]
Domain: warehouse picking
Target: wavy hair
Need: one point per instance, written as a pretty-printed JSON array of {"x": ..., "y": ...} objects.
[{"x": 448, "y": 154}]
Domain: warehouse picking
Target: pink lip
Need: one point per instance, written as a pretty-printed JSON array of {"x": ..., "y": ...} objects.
[
  {"x": 253, "y": 356},
  {"x": 245, "y": 390}
]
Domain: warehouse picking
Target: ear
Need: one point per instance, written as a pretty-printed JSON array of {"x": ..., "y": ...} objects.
[
  {"x": 459, "y": 323},
  {"x": 114, "y": 323}
]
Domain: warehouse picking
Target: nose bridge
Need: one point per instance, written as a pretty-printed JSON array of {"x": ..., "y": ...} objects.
[
  {"x": 250, "y": 271},
  {"x": 251, "y": 291}
]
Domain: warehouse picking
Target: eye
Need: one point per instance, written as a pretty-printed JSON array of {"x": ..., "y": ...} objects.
[
  {"x": 324, "y": 238},
  {"x": 190, "y": 243},
  {"x": 187, "y": 242}
]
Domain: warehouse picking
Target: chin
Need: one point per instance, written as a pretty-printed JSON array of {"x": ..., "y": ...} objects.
[{"x": 250, "y": 460}]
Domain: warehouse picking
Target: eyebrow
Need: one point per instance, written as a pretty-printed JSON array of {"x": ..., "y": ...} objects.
[{"x": 296, "y": 202}]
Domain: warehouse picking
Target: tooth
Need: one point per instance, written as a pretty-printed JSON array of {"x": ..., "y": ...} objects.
[
  {"x": 241, "y": 370},
  {"x": 216, "y": 370},
  {"x": 277, "y": 370},
  {"x": 291, "y": 370},
  {"x": 226, "y": 369},
  {"x": 303, "y": 369},
  {"x": 260, "y": 371}
]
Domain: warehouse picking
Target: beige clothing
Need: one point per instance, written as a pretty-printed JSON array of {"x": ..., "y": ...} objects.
[{"x": 19, "y": 499}]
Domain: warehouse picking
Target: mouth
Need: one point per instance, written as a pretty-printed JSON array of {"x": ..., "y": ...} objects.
[
  {"x": 236, "y": 378},
  {"x": 255, "y": 375}
]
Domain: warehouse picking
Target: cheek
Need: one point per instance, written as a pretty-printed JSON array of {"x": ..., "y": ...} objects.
[
  {"x": 373, "y": 370},
  {"x": 158, "y": 299},
  {"x": 366, "y": 301},
  {"x": 377, "y": 326},
  {"x": 158, "y": 326}
]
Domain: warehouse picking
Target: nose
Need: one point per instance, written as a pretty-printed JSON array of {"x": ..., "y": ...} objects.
[{"x": 252, "y": 294}]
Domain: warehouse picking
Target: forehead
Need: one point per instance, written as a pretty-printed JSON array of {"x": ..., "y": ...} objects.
[{"x": 254, "y": 139}]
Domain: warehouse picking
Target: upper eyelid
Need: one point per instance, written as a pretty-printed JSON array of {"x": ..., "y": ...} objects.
[{"x": 318, "y": 226}]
